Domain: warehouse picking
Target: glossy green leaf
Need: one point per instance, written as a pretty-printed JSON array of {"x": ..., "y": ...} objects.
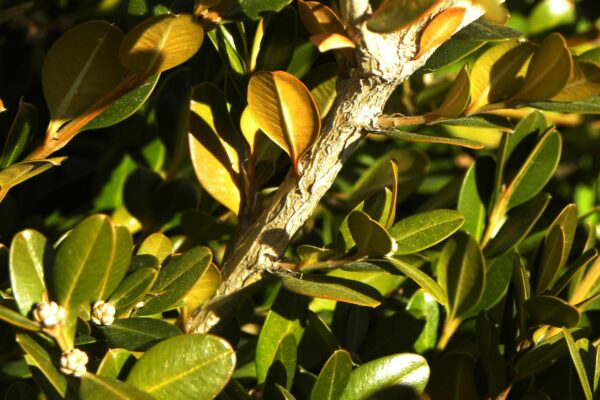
[
  {"x": 400, "y": 369},
  {"x": 333, "y": 377},
  {"x": 517, "y": 226},
  {"x": 450, "y": 52},
  {"x": 16, "y": 319},
  {"x": 81, "y": 262},
  {"x": 176, "y": 278},
  {"x": 160, "y": 43},
  {"x": 157, "y": 245},
  {"x": 112, "y": 363},
  {"x": 587, "y": 106},
  {"x": 204, "y": 288},
  {"x": 548, "y": 71},
  {"x": 422, "y": 305},
  {"x": 184, "y": 367},
  {"x": 551, "y": 260},
  {"x": 40, "y": 359},
  {"x": 125, "y": 106},
  {"x": 537, "y": 169},
  {"x": 95, "y": 387},
  {"x": 24, "y": 170},
  {"x": 277, "y": 44},
  {"x": 133, "y": 289},
  {"x": 79, "y": 69},
  {"x": 574, "y": 269},
  {"x": 137, "y": 334},
  {"x": 422, "y": 138},
  {"x": 421, "y": 278},
  {"x": 257, "y": 9},
  {"x": 235, "y": 65},
  {"x": 287, "y": 316},
  {"x": 393, "y": 15},
  {"x": 567, "y": 219},
  {"x": 471, "y": 202},
  {"x": 282, "y": 370},
  {"x": 214, "y": 147},
  {"x": 20, "y": 134},
  {"x": 461, "y": 272},
  {"x": 482, "y": 29},
  {"x": 552, "y": 311},
  {"x": 421, "y": 231},
  {"x": 118, "y": 268},
  {"x": 370, "y": 237},
  {"x": 579, "y": 365},
  {"x": 333, "y": 288},
  {"x": 29, "y": 251}
]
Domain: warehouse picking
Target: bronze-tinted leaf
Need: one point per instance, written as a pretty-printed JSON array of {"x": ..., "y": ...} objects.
[
  {"x": 583, "y": 83},
  {"x": 160, "y": 43},
  {"x": 440, "y": 28},
  {"x": 553, "y": 311},
  {"x": 331, "y": 41},
  {"x": 393, "y": 15},
  {"x": 319, "y": 18},
  {"x": 285, "y": 111},
  {"x": 548, "y": 71},
  {"x": 79, "y": 69},
  {"x": 457, "y": 97},
  {"x": 213, "y": 146}
]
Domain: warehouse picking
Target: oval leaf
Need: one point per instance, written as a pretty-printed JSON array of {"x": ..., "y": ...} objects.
[
  {"x": 334, "y": 288},
  {"x": 333, "y": 377},
  {"x": 285, "y": 111},
  {"x": 184, "y": 367},
  {"x": 137, "y": 334},
  {"x": 80, "y": 68},
  {"x": 552, "y": 256},
  {"x": 440, "y": 28},
  {"x": 393, "y": 15},
  {"x": 551, "y": 310},
  {"x": 583, "y": 83},
  {"x": 112, "y": 363},
  {"x": 318, "y": 18},
  {"x": 160, "y": 43},
  {"x": 458, "y": 96},
  {"x": 421, "y": 231},
  {"x": 95, "y": 387},
  {"x": 118, "y": 268},
  {"x": 39, "y": 358},
  {"x": 370, "y": 237},
  {"x": 400, "y": 369},
  {"x": 133, "y": 289},
  {"x": 157, "y": 245}
]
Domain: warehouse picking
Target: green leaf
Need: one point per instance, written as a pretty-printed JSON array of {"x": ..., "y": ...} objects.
[
  {"x": 579, "y": 365},
  {"x": 517, "y": 226},
  {"x": 537, "y": 169},
  {"x": 24, "y": 170},
  {"x": 409, "y": 370},
  {"x": 112, "y": 363},
  {"x": 461, "y": 272},
  {"x": 422, "y": 138},
  {"x": 95, "y": 387},
  {"x": 333, "y": 288},
  {"x": 551, "y": 260},
  {"x": 81, "y": 261},
  {"x": 137, "y": 334},
  {"x": 157, "y": 245},
  {"x": 117, "y": 270},
  {"x": 80, "y": 68},
  {"x": 370, "y": 237},
  {"x": 282, "y": 370},
  {"x": 20, "y": 134},
  {"x": 214, "y": 147},
  {"x": 421, "y": 231},
  {"x": 176, "y": 278},
  {"x": 567, "y": 219},
  {"x": 587, "y": 106},
  {"x": 397, "y": 14},
  {"x": 204, "y": 288},
  {"x": 479, "y": 121},
  {"x": 458, "y": 95},
  {"x": 257, "y": 9},
  {"x": 139, "y": 10},
  {"x": 450, "y": 52},
  {"x": 333, "y": 377},
  {"x": 40, "y": 359},
  {"x": 226, "y": 47},
  {"x": 471, "y": 202},
  {"x": 488, "y": 340},
  {"x": 574, "y": 269},
  {"x": 482, "y": 29},
  {"x": 184, "y": 367},
  {"x": 133, "y": 289},
  {"x": 548, "y": 71},
  {"x": 422, "y": 305},
  {"x": 288, "y": 315},
  {"x": 553, "y": 311},
  {"x": 421, "y": 279},
  {"x": 277, "y": 44},
  {"x": 160, "y": 43},
  {"x": 321, "y": 81},
  {"x": 125, "y": 106},
  {"x": 583, "y": 83},
  {"x": 547, "y": 16},
  {"x": 29, "y": 251},
  {"x": 16, "y": 319}
]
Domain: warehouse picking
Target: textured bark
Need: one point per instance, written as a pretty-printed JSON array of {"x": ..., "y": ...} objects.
[{"x": 383, "y": 62}]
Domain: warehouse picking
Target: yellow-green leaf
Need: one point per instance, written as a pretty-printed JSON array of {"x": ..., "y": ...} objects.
[
  {"x": 548, "y": 71},
  {"x": 458, "y": 96},
  {"x": 331, "y": 41},
  {"x": 319, "y": 18},
  {"x": 204, "y": 288},
  {"x": 212, "y": 146},
  {"x": 498, "y": 73},
  {"x": 583, "y": 83},
  {"x": 440, "y": 28},
  {"x": 160, "y": 43},
  {"x": 80, "y": 68},
  {"x": 393, "y": 15},
  {"x": 285, "y": 111},
  {"x": 20, "y": 172}
]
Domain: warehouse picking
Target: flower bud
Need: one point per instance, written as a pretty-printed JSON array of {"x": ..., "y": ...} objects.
[
  {"x": 103, "y": 313},
  {"x": 73, "y": 362},
  {"x": 49, "y": 314}
]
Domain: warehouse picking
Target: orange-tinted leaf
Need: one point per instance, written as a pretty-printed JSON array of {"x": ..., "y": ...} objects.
[
  {"x": 318, "y": 18},
  {"x": 212, "y": 146},
  {"x": 285, "y": 111},
  {"x": 393, "y": 15},
  {"x": 440, "y": 29},
  {"x": 331, "y": 41}
]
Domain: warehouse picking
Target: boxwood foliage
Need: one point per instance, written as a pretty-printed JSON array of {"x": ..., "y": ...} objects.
[{"x": 455, "y": 256}]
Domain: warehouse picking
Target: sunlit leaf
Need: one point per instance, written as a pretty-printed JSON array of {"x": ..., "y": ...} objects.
[
  {"x": 422, "y": 138},
  {"x": 20, "y": 134},
  {"x": 24, "y": 170},
  {"x": 95, "y": 387},
  {"x": 38, "y": 357},
  {"x": 458, "y": 96},
  {"x": 551, "y": 260},
  {"x": 583, "y": 83},
  {"x": 393, "y": 15},
  {"x": 422, "y": 279},
  {"x": 112, "y": 363},
  {"x": 440, "y": 28},
  {"x": 552, "y": 311},
  {"x": 333, "y": 377},
  {"x": 331, "y": 41},
  {"x": 579, "y": 365},
  {"x": 204, "y": 288},
  {"x": 14, "y": 318},
  {"x": 157, "y": 245},
  {"x": 370, "y": 237},
  {"x": 318, "y": 18}
]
